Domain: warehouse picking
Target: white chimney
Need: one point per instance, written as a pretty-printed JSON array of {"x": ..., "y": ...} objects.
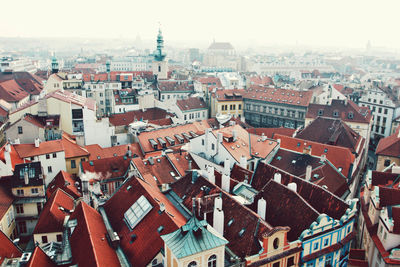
[
  {"x": 17, "y": 141},
  {"x": 37, "y": 142},
  {"x": 162, "y": 207},
  {"x": 234, "y": 133},
  {"x": 323, "y": 157},
  {"x": 26, "y": 178},
  {"x": 210, "y": 174},
  {"x": 7, "y": 159},
  {"x": 293, "y": 186},
  {"x": 206, "y": 139},
  {"x": 218, "y": 217},
  {"x": 279, "y": 141},
  {"x": 226, "y": 183},
  {"x": 308, "y": 172},
  {"x": 243, "y": 162},
  {"x": 8, "y": 147},
  {"x": 396, "y": 169},
  {"x": 277, "y": 177},
  {"x": 219, "y": 142},
  {"x": 262, "y": 208},
  {"x": 227, "y": 167}
]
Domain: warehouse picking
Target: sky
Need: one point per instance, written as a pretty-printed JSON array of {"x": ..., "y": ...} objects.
[{"x": 344, "y": 23}]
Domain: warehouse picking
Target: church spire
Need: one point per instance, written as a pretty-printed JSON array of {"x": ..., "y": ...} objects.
[{"x": 159, "y": 55}]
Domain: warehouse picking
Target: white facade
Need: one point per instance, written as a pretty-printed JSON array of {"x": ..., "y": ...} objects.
[
  {"x": 51, "y": 163},
  {"x": 103, "y": 94},
  {"x": 98, "y": 132}
]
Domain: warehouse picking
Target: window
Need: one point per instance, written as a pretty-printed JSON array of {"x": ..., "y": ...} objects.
[
  {"x": 104, "y": 188},
  {"x": 385, "y": 111},
  {"x": 34, "y": 190},
  {"x": 47, "y": 156},
  {"x": 202, "y": 142},
  {"x": 59, "y": 238},
  {"x": 54, "y": 155},
  {"x": 39, "y": 207},
  {"x": 212, "y": 261},
  {"x": 328, "y": 260},
  {"x": 44, "y": 239},
  {"x": 49, "y": 169},
  {"x": 22, "y": 227},
  {"x": 276, "y": 243},
  {"x": 240, "y": 106},
  {"x": 19, "y": 208},
  {"x": 276, "y": 264},
  {"x": 290, "y": 261},
  {"x": 387, "y": 162},
  {"x": 212, "y": 146},
  {"x": 20, "y": 192},
  {"x": 326, "y": 242},
  {"x": 315, "y": 245},
  {"x": 73, "y": 164},
  {"x": 137, "y": 211},
  {"x": 385, "y": 236},
  {"x": 192, "y": 264},
  {"x": 20, "y": 130}
]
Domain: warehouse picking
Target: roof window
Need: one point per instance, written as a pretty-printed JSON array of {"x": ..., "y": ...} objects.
[{"x": 137, "y": 211}]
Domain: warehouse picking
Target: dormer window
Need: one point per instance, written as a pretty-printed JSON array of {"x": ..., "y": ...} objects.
[
  {"x": 351, "y": 115},
  {"x": 320, "y": 112},
  {"x": 335, "y": 113}
]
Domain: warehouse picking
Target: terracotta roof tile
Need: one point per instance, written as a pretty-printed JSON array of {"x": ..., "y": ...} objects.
[
  {"x": 8, "y": 249},
  {"x": 191, "y": 103},
  {"x": 65, "y": 182},
  {"x": 151, "y": 114},
  {"x": 10, "y": 91},
  {"x": 116, "y": 167},
  {"x": 389, "y": 146},
  {"x": 143, "y": 242},
  {"x": 6, "y": 200},
  {"x": 98, "y": 152},
  {"x": 72, "y": 149},
  {"x": 270, "y": 132},
  {"x": 15, "y": 157},
  {"x": 40, "y": 258},
  {"x": 210, "y": 81},
  {"x": 53, "y": 214},
  {"x": 282, "y": 96},
  {"x": 229, "y": 94},
  {"x": 48, "y": 147},
  {"x": 89, "y": 245},
  {"x": 72, "y": 98},
  {"x": 172, "y": 86}
]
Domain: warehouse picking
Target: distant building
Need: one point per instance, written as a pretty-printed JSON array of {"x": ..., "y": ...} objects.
[
  {"x": 388, "y": 151},
  {"x": 191, "y": 109},
  {"x": 160, "y": 65}
]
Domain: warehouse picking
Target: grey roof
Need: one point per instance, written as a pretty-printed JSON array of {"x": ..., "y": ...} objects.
[{"x": 192, "y": 238}]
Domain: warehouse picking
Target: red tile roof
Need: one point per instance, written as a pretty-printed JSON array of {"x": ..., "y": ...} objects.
[
  {"x": 98, "y": 152},
  {"x": 181, "y": 161},
  {"x": 115, "y": 75},
  {"x": 259, "y": 147},
  {"x": 10, "y": 91},
  {"x": 31, "y": 83},
  {"x": 42, "y": 122},
  {"x": 15, "y": 158},
  {"x": 48, "y": 147},
  {"x": 39, "y": 258},
  {"x": 54, "y": 212},
  {"x": 72, "y": 149},
  {"x": 198, "y": 127},
  {"x": 72, "y": 98},
  {"x": 6, "y": 200},
  {"x": 281, "y": 96},
  {"x": 340, "y": 157},
  {"x": 229, "y": 94},
  {"x": 8, "y": 249},
  {"x": 348, "y": 112},
  {"x": 261, "y": 80},
  {"x": 191, "y": 103},
  {"x": 271, "y": 132},
  {"x": 65, "y": 182},
  {"x": 333, "y": 132},
  {"x": 108, "y": 168},
  {"x": 89, "y": 245},
  {"x": 173, "y": 86},
  {"x": 150, "y": 114},
  {"x": 389, "y": 146},
  {"x": 143, "y": 243},
  {"x": 210, "y": 81},
  {"x": 157, "y": 169}
]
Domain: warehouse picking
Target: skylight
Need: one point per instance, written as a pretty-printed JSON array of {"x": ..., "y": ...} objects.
[{"x": 137, "y": 211}]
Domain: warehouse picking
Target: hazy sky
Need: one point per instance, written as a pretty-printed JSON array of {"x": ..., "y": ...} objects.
[{"x": 310, "y": 22}]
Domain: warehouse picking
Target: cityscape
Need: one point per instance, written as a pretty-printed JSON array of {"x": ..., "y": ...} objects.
[{"x": 182, "y": 141}]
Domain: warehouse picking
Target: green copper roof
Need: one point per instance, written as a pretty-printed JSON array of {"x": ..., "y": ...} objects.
[{"x": 192, "y": 238}]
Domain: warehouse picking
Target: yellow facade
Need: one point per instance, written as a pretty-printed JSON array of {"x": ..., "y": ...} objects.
[
  {"x": 29, "y": 191},
  {"x": 7, "y": 223},
  {"x": 78, "y": 160},
  {"x": 233, "y": 107},
  {"x": 51, "y": 237}
]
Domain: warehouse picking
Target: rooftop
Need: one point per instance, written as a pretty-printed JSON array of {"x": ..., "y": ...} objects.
[{"x": 282, "y": 96}]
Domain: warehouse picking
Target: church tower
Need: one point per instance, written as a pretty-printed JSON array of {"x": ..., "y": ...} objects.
[
  {"x": 54, "y": 65},
  {"x": 160, "y": 65}
]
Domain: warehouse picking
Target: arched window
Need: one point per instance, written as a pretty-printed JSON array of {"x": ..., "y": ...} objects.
[
  {"x": 212, "y": 261},
  {"x": 276, "y": 243},
  {"x": 192, "y": 264}
]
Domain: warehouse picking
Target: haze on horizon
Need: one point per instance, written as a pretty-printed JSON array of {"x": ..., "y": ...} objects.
[{"x": 286, "y": 22}]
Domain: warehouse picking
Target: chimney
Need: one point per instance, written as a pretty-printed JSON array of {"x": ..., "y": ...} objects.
[
  {"x": 234, "y": 133},
  {"x": 225, "y": 183},
  {"x": 195, "y": 175},
  {"x": 227, "y": 167},
  {"x": 7, "y": 159},
  {"x": 17, "y": 141},
  {"x": 206, "y": 139},
  {"x": 219, "y": 141},
  {"x": 8, "y": 147},
  {"x": 243, "y": 162},
  {"x": 218, "y": 217},
  {"x": 307, "y": 149},
  {"x": 162, "y": 207},
  {"x": 323, "y": 158},
  {"x": 277, "y": 177},
  {"x": 263, "y": 137},
  {"x": 26, "y": 178},
  {"x": 129, "y": 152},
  {"x": 308, "y": 172},
  {"x": 262, "y": 207},
  {"x": 279, "y": 141},
  {"x": 210, "y": 174},
  {"x": 189, "y": 165},
  {"x": 293, "y": 186},
  {"x": 37, "y": 142}
]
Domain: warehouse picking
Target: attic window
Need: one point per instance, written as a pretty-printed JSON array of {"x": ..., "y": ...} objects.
[
  {"x": 278, "y": 157},
  {"x": 351, "y": 115},
  {"x": 320, "y": 112},
  {"x": 98, "y": 157},
  {"x": 172, "y": 174},
  {"x": 325, "y": 150},
  {"x": 159, "y": 229},
  {"x": 230, "y": 222},
  {"x": 335, "y": 113},
  {"x": 241, "y": 232},
  {"x": 133, "y": 238},
  {"x": 115, "y": 154},
  {"x": 298, "y": 144},
  {"x": 137, "y": 211},
  {"x": 340, "y": 169}
]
